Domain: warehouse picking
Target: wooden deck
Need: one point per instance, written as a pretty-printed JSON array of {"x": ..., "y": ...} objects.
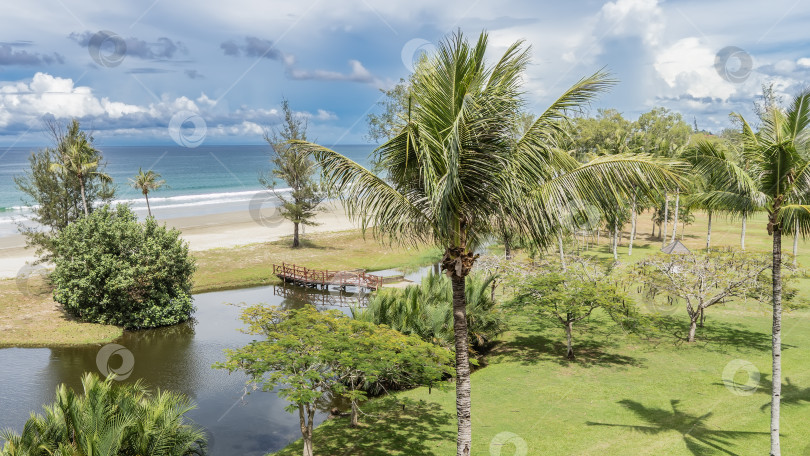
[{"x": 358, "y": 278}]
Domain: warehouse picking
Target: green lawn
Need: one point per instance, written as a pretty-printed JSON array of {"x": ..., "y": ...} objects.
[{"x": 623, "y": 395}]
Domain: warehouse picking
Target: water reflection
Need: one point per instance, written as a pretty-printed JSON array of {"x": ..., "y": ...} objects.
[{"x": 179, "y": 358}]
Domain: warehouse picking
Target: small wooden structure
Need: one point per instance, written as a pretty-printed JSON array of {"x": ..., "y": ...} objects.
[
  {"x": 323, "y": 278},
  {"x": 676, "y": 248}
]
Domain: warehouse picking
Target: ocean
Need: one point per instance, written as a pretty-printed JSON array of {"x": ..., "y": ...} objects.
[{"x": 200, "y": 181}]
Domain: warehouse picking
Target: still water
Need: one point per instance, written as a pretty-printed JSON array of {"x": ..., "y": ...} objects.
[{"x": 177, "y": 358}]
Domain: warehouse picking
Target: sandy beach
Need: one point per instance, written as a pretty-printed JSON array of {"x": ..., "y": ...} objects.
[{"x": 202, "y": 232}]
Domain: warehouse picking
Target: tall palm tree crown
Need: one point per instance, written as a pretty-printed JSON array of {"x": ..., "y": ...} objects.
[
  {"x": 455, "y": 166},
  {"x": 147, "y": 182}
]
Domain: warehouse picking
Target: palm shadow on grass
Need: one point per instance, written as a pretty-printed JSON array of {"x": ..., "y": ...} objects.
[
  {"x": 700, "y": 439},
  {"x": 792, "y": 394},
  {"x": 392, "y": 426}
]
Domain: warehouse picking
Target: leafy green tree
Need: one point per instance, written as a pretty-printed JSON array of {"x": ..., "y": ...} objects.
[
  {"x": 454, "y": 167},
  {"x": 147, "y": 182},
  {"x": 780, "y": 163},
  {"x": 703, "y": 280},
  {"x": 307, "y": 355},
  {"x": 394, "y": 105},
  {"x": 57, "y": 199},
  {"x": 569, "y": 299},
  {"x": 109, "y": 419},
  {"x": 295, "y": 167},
  {"x": 110, "y": 269}
]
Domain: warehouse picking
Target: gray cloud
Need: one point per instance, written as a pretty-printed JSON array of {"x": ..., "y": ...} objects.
[
  {"x": 162, "y": 49},
  {"x": 194, "y": 74},
  {"x": 148, "y": 71},
  {"x": 8, "y": 56},
  {"x": 252, "y": 47}
]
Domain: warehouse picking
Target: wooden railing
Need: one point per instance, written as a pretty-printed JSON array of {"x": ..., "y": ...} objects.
[{"x": 324, "y": 277}]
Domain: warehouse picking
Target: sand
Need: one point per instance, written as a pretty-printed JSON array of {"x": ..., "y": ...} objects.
[{"x": 202, "y": 232}]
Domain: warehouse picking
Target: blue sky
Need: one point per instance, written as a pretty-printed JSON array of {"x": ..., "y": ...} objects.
[{"x": 220, "y": 68}]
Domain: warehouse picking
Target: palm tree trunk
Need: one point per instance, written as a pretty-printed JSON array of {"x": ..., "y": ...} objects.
[
  {"x": 562, "y": 255},
  {"x": 776, "y": 339},
  {"x": 633, "y": 227},
  {"x": 742, "y": 235},
  {"x": 84, "y": 199},
  {"x": 148, "y": 209},
  {"x": 463, "y": 403},
  {"x": 507, "y": 247},
  {"x": 795, "y": 243},
  {"x": 709, "y": 234},
  {"x": 615, "y": 241},
  {"x": 675, "y": 215},
  {"x": 296, "y": 243},
  {"x": 666, "y": 216}
]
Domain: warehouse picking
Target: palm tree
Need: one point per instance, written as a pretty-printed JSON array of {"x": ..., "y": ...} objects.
[
  {"x": 147, "y": 182},
  {"x": 108, "y": 420},
  {"x": 453, "y": 167},
  {"x": 76, "y": 160},
  {"x": 722, "y": 185},
  {"x": 780, "y": 162}
]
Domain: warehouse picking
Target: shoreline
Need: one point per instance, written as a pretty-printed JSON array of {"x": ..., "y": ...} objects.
[{"x": 202, "y": 232}]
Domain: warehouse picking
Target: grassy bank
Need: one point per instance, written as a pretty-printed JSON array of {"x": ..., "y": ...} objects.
[{"x": 30, "y": 318}]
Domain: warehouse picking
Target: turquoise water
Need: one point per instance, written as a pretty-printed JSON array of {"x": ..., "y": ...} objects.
[{"x": 203, "y": 180}]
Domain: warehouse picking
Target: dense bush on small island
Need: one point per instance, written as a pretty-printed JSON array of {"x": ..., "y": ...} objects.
[{"x": 111, "y": 269}]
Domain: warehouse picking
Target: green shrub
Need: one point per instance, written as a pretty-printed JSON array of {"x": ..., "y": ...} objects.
[
  {"x": 110, "y": 269},
  {"x": 108, "y": 419}
]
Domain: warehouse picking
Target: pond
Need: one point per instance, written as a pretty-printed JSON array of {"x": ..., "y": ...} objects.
[{"x": 177, "y": 358}]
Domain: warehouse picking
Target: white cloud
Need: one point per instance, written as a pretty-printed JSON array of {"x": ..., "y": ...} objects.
[
  {"x": 803, "y": 62},
  {"x": 688, "y": 67},
  {"x": 642, "y": 18}
]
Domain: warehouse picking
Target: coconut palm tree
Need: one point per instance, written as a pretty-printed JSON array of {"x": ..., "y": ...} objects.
[
  {"x": 721, "y": 184},
  {"x": 76, "y": 160},
  {"x": 454, "y": 166},
  {"x": 147, "y": 182},
  {"x": 779, "y": 155}
]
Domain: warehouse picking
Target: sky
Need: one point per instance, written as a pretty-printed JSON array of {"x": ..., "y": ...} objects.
[{"x": 214, "y": 72}]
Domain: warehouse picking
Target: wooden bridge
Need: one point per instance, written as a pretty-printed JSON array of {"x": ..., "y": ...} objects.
[{"x": 323, "y": 278}]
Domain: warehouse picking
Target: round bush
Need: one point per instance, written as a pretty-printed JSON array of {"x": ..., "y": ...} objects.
[{"x": 111, "y": 269}]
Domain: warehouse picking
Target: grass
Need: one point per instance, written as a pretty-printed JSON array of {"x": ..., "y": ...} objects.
[
  {"x": 30, "y": 318},
  {"x": 622, "y": 395}
]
